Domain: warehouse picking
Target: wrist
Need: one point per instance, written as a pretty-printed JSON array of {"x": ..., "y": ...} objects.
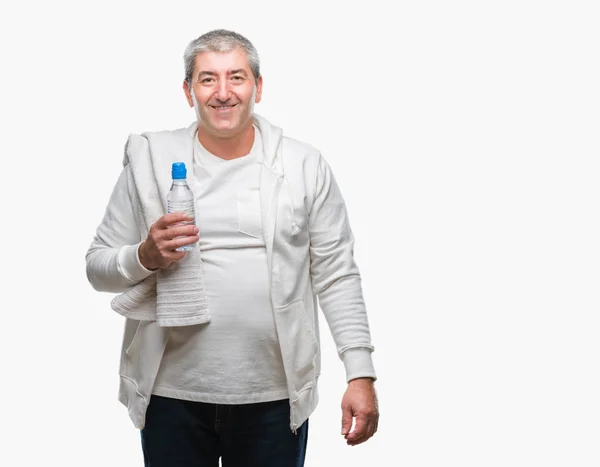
[
  {"x": 362, "y": 380},
  {"x": 143, "y": 258}
]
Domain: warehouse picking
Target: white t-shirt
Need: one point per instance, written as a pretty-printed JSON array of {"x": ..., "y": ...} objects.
[{"x": 235, "y": 358}]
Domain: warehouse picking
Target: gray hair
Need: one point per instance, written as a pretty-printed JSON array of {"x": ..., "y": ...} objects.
[{"x": 220, "y": 40}]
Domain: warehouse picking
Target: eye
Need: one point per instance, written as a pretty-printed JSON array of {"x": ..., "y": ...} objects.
[
  {"x": 237, "y": 78},
  {"x": 206, "y": 80}
]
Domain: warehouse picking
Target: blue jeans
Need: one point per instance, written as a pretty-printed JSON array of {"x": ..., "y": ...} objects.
[{"x": 180, "y": 433}]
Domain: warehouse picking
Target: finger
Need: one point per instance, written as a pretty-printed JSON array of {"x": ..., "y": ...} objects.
[
  {"x": 175, "y": 243},
  {"x": 346, "y": 420},
  {"x": 371, "y": 428},
  {"x": 373, "y": 422},
  {"x": 361, "y": 438},
  {"x": 179, "y": 231},
  {"x": 170, "y": 258},
  {"x": 172, "y": 218},
  {"x": 174, "y": 258},
  {"x": 359, "y": 429}
]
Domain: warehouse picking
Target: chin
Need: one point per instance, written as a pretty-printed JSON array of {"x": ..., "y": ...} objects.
[
  {"x": 231, "y": 126},
  {"x": 224, "y": 130},
  {"x": 226, "y": 127}
]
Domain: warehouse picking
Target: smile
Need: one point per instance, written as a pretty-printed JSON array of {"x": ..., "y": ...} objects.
[{"x": 223, "y": 107}]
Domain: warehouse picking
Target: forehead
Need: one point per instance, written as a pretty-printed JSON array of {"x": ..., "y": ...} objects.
[{"x": 221, "y": 61}]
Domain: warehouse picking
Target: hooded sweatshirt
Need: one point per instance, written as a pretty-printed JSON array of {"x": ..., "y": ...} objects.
[{"x": 309, "y": 252}]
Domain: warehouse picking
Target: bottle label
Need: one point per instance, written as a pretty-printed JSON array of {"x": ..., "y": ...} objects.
[
  {"x": 181, "y": 206},
  {"x": 188, "y": 208}
]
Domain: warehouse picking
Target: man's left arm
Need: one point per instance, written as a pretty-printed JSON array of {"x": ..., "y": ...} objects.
[{"x": 337, "y": 283}]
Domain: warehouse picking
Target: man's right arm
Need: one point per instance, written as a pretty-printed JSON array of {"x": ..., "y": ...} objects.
[{"x": 112, "y": 261}]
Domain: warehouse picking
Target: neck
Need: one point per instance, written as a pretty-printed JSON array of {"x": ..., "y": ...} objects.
[{"x": 229, "y": 147}]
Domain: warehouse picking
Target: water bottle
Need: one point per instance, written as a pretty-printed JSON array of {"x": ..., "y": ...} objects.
[{"x": 180, "y": 198}]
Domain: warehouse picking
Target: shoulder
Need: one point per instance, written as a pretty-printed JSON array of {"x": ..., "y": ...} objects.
[
  {"x": 164, "y": 134},
  {"x": 178, "y": 134},
  {"x": 140, "y": 144},
  {"x": 297, "y": 149},
  {"x": 175, "y": 135}
]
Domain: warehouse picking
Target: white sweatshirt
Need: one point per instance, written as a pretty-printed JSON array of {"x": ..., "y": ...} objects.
[{"x": 309, "y": 247}]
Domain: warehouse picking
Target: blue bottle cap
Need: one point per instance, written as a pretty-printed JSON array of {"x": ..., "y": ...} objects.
[{"x": 178, "y": 170}]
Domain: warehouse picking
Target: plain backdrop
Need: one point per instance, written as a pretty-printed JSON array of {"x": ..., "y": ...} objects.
[{"x": 464, "y": 136}]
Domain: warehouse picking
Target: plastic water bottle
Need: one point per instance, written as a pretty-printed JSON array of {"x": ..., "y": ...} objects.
[{"x": 180, "y": 198}]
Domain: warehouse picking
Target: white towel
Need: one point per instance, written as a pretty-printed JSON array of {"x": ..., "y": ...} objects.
[{"x": 173, "y": 296}]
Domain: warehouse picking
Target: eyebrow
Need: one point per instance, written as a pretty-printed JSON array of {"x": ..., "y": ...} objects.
[{"x": 232, "y": 72}]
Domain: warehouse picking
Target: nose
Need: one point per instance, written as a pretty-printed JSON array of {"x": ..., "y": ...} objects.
[{"x": 223, "y": 91}]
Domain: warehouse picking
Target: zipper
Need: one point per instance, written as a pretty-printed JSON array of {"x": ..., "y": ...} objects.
[
  {"x": 294, "y": 425},
  {"x": 271, "y": 216},
  {"x": 274, "y": 206},
  {"x": 273, "y": 213},
  {"x": 293, "y": 419}
]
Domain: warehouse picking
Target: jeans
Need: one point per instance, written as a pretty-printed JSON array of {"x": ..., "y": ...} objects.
[{"x": 180, "y": 433}]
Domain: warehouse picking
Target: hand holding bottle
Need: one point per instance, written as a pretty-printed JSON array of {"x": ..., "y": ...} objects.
[{"x": 159, "y": 250}]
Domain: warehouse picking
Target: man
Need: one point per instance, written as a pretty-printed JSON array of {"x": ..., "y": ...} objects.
[{"x": 236, "y": 377}]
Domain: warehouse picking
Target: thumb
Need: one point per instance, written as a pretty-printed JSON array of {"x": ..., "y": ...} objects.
[{"x": 346, "y": 419}]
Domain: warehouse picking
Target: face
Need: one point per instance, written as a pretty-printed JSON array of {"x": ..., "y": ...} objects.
[{"x": 223, "y": 92}]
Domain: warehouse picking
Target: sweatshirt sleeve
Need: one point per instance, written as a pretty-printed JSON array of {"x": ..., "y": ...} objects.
[
  {"x": 336, "y": 278},
  {"x": 112, "y": 261}
]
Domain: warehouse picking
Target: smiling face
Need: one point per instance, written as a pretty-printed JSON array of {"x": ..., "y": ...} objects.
[{"x": 223, "y": 92}]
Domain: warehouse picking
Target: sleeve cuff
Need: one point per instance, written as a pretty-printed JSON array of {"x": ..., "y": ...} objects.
[
  {"x": 358, "y": 363},
  {"x": 129, "y": 264}
]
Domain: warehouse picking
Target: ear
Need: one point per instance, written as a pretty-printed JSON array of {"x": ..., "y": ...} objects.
[
  {"x": 187, "y": 91},
  {"x": 259, "y": 85}
]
